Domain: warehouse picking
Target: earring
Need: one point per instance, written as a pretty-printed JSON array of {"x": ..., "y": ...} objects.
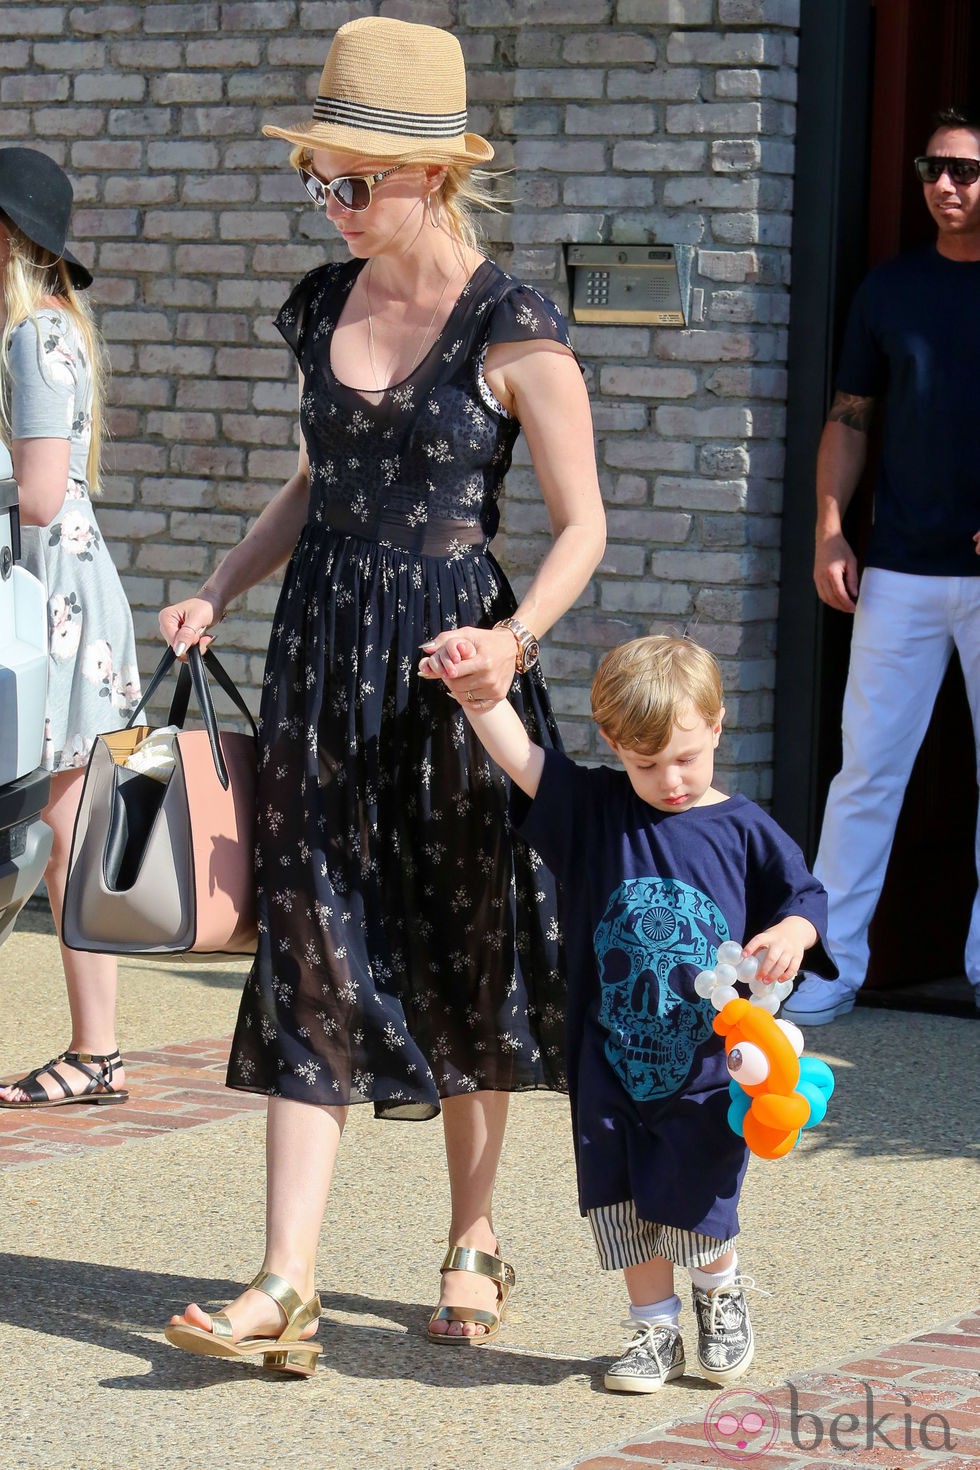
[{"x": 435, "y": 219}]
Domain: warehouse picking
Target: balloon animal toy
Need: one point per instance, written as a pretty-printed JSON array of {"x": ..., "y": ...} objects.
[{"x": 776, "y": 1092}]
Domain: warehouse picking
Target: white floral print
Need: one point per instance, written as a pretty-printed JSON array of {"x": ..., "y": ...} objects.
[{"x": 93, "y": 679}]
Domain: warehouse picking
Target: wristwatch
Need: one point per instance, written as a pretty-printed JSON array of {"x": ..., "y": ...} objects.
[{"x": 527, "y": 644}]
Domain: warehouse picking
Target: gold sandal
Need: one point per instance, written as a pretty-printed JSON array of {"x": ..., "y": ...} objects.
[
  {"x": 466, "y": 1258},
  {"x": 284, "y": 1353}
]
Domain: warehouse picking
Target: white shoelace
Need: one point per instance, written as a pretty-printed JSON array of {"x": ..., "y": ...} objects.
[
  {"x": 643, "y": 1338},
  {"x": 718, "y": 1298}
]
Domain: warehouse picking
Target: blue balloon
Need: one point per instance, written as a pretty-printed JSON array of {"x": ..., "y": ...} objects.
[
  {"x": 738, "y": 1107},
  {"x": 816, "y": 1072},
  {"x": 817, "y": 1101}
]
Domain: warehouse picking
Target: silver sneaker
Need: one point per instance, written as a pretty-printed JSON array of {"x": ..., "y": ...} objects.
[
  {"x": 654, "y": 1355},
  {"x": 725, "y": 1342}
]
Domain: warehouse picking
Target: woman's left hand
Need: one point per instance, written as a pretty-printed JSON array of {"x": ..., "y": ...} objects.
[{"x": 476, "y": 664}]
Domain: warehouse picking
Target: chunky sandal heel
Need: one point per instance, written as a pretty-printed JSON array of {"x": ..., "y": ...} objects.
[{"x": 297, "y": 1360}]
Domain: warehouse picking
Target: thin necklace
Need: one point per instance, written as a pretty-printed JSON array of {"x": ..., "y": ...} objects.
[{"x": 378, "y": 388}]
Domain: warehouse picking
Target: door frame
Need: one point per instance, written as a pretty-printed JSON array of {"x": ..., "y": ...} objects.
[{"x": 829, "y": 259}]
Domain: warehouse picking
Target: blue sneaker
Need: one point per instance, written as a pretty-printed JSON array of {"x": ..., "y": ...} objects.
[{"x": 815, "y": 1001}]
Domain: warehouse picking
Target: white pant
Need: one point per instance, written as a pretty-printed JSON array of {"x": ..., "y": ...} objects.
[{"x": 905, "y": 629}]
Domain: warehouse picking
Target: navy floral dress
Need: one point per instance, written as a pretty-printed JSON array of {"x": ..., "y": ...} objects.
[{"x": 408, "y": 946}]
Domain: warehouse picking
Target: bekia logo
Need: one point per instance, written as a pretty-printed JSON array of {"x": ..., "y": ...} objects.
[{"x": 742, "y": 1425}]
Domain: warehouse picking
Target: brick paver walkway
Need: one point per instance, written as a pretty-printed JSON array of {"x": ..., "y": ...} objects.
[
  {"x": 181, "y": 1086},
  {"x": 915, "y": 1404}
]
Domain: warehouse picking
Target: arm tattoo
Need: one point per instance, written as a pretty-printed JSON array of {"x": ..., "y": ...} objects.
[{"x": 851, "y": 411}]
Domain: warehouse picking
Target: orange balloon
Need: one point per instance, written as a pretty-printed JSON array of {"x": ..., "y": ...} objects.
[
  {"x": 768, "y": 1143},
  {"x": 774, "y": 1111},
  {"x": 777, "y": 1111}
]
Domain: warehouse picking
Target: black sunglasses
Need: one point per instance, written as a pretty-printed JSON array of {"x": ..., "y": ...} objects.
[
  {"x": 960, "y": 170},
  {"x": 351, "y": 191}
]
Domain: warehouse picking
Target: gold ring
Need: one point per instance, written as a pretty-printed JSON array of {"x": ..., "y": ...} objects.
[{"x": 471, "y": 696}]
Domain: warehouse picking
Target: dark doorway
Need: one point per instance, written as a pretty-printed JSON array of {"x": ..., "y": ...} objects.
[
  {"x": 887, "y": 68},
  {"x": 926, "y": 57}
]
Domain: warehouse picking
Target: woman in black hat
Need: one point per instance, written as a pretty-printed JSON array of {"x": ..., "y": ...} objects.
[
  {"x": 50, "y": 416},
  {"x": 409, "y": 954}
]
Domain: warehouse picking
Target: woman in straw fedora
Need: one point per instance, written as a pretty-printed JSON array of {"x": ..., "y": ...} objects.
[
  {"x": 50, "y": 416},
  {"x": 409, "y": 954}
]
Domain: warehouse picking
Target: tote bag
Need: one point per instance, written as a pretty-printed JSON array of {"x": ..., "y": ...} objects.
[{"x": 163, "y": 868}]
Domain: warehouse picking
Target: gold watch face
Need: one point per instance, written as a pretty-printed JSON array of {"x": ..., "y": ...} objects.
[{"x": 529, "y": 654}]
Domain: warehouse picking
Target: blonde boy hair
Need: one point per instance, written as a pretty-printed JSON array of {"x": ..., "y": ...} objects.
[
  {"x": 641, "y": 687},
  {"x": 463, "y": 192},
  {"x": 31, "y": 274}
]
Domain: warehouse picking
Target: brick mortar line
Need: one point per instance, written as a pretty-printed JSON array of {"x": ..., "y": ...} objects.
[{"x": 180, "y": 1087}]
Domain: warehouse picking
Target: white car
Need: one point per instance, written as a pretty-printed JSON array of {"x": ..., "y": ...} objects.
[{"x": 25, "y": 840}]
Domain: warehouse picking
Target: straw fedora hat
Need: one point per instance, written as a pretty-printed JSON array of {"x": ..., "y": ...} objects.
[
  {"x": 36, "y": 196},
  {"x": 390, "y": 88}
]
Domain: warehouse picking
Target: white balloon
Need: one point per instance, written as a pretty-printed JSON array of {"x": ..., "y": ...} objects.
[
  {"x": 729, "y": 953},
  {"x": 705, "y": 983},
  {"x": 727, "y": 974},
  {"x": 748, "y": 968},
  {"x": 794, "y": 1035},
  {"x": 721, "y": 995},
  {"x": 767, "y": 1003},
  {"x": 782, "y": 989}
]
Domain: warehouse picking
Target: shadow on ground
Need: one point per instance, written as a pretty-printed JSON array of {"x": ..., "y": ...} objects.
[
  {"x": 124, "y": 1310},
  {"x": 906, "y": 1085}
]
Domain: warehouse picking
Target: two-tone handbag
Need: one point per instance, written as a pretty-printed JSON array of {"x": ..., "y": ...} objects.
[{"x": 167, "y": 866}]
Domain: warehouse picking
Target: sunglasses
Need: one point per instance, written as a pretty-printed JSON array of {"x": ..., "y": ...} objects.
[
  {"x": 960, "y": 170},
  {"x": 351, "y": 191}
]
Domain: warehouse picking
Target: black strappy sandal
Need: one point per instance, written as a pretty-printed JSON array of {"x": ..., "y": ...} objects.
[{"x": 98, "y": 1088}]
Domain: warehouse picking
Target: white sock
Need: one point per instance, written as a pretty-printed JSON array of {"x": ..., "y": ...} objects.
[
  {"x": 708, "y": 1280},
  {"x": 668, "y": 1312}
]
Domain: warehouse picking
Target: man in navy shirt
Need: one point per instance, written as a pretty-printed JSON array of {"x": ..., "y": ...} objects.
[{"x": 913, "y": 345}]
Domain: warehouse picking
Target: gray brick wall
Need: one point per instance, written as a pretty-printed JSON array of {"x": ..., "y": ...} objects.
[{"x": 623, "y": 121}]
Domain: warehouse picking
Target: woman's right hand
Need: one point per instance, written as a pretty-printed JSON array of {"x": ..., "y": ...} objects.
[{"x": 189, "y": 621}]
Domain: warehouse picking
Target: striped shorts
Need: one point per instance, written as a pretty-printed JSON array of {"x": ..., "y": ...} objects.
[{"x": 623, "y": 1239}]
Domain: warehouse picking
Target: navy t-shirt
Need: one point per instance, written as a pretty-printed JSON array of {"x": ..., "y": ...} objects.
[
  {"x": 646, "y": 899},
  {"x": 913, "y": 338}
]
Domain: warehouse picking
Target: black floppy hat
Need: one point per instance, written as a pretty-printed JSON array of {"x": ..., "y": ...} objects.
[{"x": 36, "y": 196}]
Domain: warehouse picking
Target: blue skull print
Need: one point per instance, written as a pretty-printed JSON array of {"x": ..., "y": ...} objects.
[{"x": 653, "y": 929}]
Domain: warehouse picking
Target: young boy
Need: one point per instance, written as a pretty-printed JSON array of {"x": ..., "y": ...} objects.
[{"x": 656, "y": 868}]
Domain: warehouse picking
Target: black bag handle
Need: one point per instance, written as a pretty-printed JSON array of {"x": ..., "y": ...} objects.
[{"x": 193, "y": 675}]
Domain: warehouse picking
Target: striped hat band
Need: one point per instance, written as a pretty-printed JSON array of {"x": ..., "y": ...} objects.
[{"x": 384, "y": 120}]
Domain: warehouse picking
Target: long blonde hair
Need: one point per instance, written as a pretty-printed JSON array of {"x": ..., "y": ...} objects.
[
  {"x": 31, "y": 274},
  {"x": 464, "y": 191}
]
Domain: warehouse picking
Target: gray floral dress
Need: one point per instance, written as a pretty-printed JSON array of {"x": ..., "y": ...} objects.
[
  {"x": 408, "y": 944},
  {"x": 93, "y": 678}
]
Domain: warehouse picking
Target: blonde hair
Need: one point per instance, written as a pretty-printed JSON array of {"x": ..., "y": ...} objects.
[
  {"x": 641, "y": 687},
  {"x": 31, "y": 274},
  {"x": 464, "y": 190}
]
